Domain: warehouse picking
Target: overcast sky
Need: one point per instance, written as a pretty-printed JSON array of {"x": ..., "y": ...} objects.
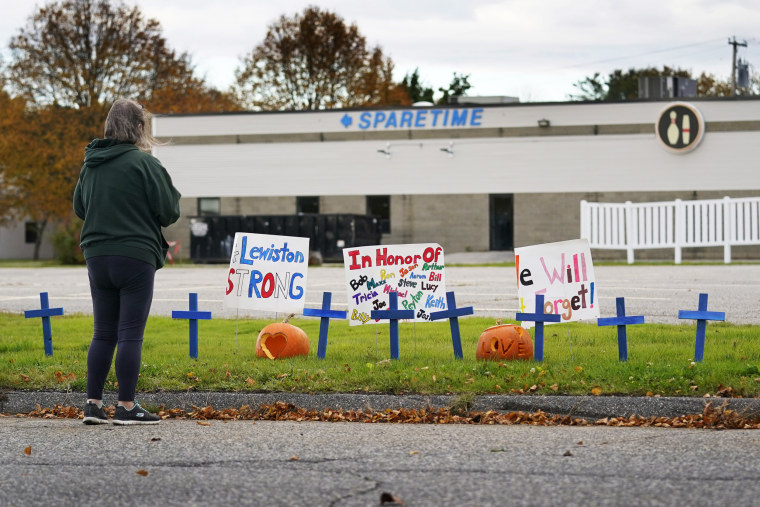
[{"x": 532, "y": 49}]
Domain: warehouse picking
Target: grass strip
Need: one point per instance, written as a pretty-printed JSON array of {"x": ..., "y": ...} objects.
[{"x": 660, "y": 360}]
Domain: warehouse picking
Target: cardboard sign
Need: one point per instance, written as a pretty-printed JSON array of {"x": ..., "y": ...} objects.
[
  {"x": 564, "y": 273},
  {"x": 267, "y": 273},
  {"x": 415, "y": 272}
]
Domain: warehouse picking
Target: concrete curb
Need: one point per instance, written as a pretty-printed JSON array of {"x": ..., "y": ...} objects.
[{"x": 585, "y": 407}]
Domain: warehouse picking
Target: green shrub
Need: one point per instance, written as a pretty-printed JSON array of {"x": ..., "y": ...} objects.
[{"x": 66, "y": 241}]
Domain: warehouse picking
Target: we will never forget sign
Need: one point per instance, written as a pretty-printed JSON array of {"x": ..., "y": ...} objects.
[{"x": 564, "y": 274}]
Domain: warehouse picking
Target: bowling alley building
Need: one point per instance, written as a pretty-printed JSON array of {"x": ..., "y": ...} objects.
[
  {"x": 471, "y": 177},
  {"x": 474, "y": 176}
]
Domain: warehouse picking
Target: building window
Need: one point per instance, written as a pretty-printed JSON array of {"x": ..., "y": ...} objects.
[
  {"x": 307, "y": 204},
  {"x": 209, "y": 206},
  {"x": 380, "y": 206},
  {"x": 30, "y": 232}
]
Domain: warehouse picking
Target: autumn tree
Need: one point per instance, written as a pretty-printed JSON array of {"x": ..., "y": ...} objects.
[
  {"x": 710, "y": 86},
  {"x": 84, "y": 53},
  {"x": 67, "y": 65},
  {"x": 377, "y": 86},
  {"x": 40, "y": 163},
  {"x": 177, "y": 90},
  {"x": 314, "y": 60}
]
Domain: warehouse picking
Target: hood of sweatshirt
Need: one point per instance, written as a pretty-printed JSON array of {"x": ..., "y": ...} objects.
[{"x": 100, "y": 151}]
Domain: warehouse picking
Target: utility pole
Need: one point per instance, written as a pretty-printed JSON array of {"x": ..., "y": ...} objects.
[{"x": 735, "y": 44}]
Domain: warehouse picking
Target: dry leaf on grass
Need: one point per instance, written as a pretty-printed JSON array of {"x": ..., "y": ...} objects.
[{"x": 720, "y": 417}]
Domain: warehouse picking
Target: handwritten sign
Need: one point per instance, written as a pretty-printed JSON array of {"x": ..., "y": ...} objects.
[
  {"x": 267, "y": 273},
  {"x": 414, "y": 272},
  {"x": 563, "y": 273}
]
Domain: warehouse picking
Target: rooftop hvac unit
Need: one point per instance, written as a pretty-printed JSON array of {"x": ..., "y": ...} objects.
[{"x": 661, "y": 87}]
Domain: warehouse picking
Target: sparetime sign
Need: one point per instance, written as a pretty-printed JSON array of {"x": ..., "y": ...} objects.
[{"x": 414, "y": 119}]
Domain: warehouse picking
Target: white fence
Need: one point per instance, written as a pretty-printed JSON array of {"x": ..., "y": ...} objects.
[{"x": 675, "y": 224}]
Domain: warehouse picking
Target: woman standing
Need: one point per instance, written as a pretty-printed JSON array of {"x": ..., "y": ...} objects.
[{"x": 124, "y": 195}]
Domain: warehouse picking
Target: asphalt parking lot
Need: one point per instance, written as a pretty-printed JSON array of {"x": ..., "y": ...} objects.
[{"x": 657, "y": 292}]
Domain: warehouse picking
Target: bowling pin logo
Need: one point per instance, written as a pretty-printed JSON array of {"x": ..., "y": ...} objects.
[
  {"x": 673, "y": 129},
  {"x": 679, "y": 127}
]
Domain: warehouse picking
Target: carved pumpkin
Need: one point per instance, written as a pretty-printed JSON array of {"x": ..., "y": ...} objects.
[
  {"x": 282, "y": 339},
  {"x": 504, "y": 341}
]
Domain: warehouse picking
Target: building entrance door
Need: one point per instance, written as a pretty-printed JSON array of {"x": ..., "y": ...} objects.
[{"x": 502, "y": 221}]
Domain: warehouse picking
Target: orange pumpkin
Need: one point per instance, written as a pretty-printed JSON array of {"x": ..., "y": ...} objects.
[
  {"x": 507, "y": 341},
  {"x": 282, "y": 339}
]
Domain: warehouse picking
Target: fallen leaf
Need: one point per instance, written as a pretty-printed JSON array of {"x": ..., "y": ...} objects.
[
  {"x": 580, "y": 443},
  {"x": 294, "y": 458},
  {"x": 387, "y": 498},
  {"x": 28, "y": 451},
  {"x": 144, "y": 473},
  {"x": 155, "y": 439},
  {"x": 554, "y": 387},
  {"x": 568, "y": 453},
  {"x": 250, "y": 381},
  {"x": 412, "y": 453},
  {"x": 204, "y": 423},
  {"x": 596, "y": 391}
]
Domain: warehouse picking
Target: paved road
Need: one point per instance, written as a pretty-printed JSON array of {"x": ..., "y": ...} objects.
[
  {"x": 288, "y": 463},
  {"x": 657, "y": 292}
]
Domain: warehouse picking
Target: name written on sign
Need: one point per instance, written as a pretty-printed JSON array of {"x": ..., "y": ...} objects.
[{"x": 415, "y": 273}]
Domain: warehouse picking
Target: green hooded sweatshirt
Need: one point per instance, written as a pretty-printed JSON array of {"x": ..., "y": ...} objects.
[{"x": 124, "y": 196}]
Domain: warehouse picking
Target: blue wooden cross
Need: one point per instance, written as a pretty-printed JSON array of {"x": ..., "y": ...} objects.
[
  {"x": 539, "y": 317},
  {"x": 621, "y": 321},
  {"x": 394, "y": 315},
  {"x": 701, "y": 316},
  {"x": 325, "y": 314},
  {"x": 453, "y": 313},
  {"x": 193, "y": 315},
  {"x": 45, "y": 312}
]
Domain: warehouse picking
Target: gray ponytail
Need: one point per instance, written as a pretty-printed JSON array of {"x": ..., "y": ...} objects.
[{"x": 128, "y": 121}]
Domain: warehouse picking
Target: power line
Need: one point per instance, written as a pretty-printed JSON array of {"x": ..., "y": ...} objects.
[{"x": 606, "y": 60}]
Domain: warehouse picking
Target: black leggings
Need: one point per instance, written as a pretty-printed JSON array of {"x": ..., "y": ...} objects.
[{"x": 122, "y": 291}]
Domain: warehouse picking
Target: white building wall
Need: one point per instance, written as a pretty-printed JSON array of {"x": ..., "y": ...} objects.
[
  {"x": 13, "y": 245},
  {"x": 607, "y": 163}
]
